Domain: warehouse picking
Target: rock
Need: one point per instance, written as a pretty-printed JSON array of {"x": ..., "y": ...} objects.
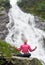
[
  {"x": 4, "y": 19},
  {"x": 39, "y": 23},
  {"x": 44, "y": 43},
  {"x": 19, "y": 61},
  {"x": 25, "y": 61}
]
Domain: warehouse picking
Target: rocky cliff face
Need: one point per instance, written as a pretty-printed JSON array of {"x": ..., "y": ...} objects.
[{"x": 4, "y": 19}]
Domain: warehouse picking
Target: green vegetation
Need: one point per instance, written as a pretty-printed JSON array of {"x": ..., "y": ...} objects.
[
  {"x": 4, "y": 3},
  {"x": 6, "y": 49},
  {"x": 36, "y": 7},
  {"x": 37, "y": 61}
]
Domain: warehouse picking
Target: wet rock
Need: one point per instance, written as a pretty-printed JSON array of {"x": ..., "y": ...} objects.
[
  {"x": 4, "y": 20},
  {"x": 44, "y": 43},
  {"x": 39, "y": 23},
  {"x": 2, "y": 36}
]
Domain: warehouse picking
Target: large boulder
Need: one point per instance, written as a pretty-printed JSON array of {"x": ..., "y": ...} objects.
[{"x": 25, "y": 61}]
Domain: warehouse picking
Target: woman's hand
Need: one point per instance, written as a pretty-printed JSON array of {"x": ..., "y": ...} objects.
[{"x": 35, "y": 47}]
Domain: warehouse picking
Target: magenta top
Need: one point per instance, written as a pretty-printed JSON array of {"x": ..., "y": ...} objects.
[{"x": 25, "y": 48}]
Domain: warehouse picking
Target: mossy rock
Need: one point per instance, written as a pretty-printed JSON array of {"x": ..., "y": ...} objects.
[{"x": 25, "y": 61}]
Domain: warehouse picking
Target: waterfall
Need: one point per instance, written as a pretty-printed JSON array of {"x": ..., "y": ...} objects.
[{"x": 22, "y": 26}]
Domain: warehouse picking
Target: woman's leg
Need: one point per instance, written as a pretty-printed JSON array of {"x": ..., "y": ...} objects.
[
  {"x": 24, "y": 55},
  {"x": 20, "y": 55},
  {"x": 27, "y": 55}
]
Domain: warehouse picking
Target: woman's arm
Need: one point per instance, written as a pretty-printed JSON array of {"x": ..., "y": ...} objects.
[
  {"x": 19, "y": 49},
  {"x": 32, "y": 49}
]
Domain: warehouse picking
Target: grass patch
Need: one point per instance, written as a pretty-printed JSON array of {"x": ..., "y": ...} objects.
[{"x": 6, "y": 49}]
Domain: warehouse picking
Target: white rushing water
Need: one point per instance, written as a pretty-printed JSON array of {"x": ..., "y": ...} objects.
[{"x": 21, "y": 26}]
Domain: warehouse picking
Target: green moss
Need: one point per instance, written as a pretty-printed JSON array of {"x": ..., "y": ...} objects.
[
  {"x": 6, "y": 49},
  {"x": 39, "y": 62},
  {"x": 36, "y": 7},
  {"x": 35, "y": 61}
]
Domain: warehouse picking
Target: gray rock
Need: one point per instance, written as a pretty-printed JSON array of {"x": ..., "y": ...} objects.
[
  {"x": 39, "y": 23},
  {"x": 44, "y": 43},
  {"x": 4, "y": 20},
  {"x": 25, "y": 61}
]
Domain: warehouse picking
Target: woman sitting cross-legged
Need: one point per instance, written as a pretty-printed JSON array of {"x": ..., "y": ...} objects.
[{"x": 25, "y": 48}]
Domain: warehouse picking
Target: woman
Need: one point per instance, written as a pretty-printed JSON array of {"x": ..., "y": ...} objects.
[{"x": 25, "y": 48}]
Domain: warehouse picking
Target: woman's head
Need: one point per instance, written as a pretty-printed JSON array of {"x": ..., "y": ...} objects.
[{"x": 25, "y": 41}]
